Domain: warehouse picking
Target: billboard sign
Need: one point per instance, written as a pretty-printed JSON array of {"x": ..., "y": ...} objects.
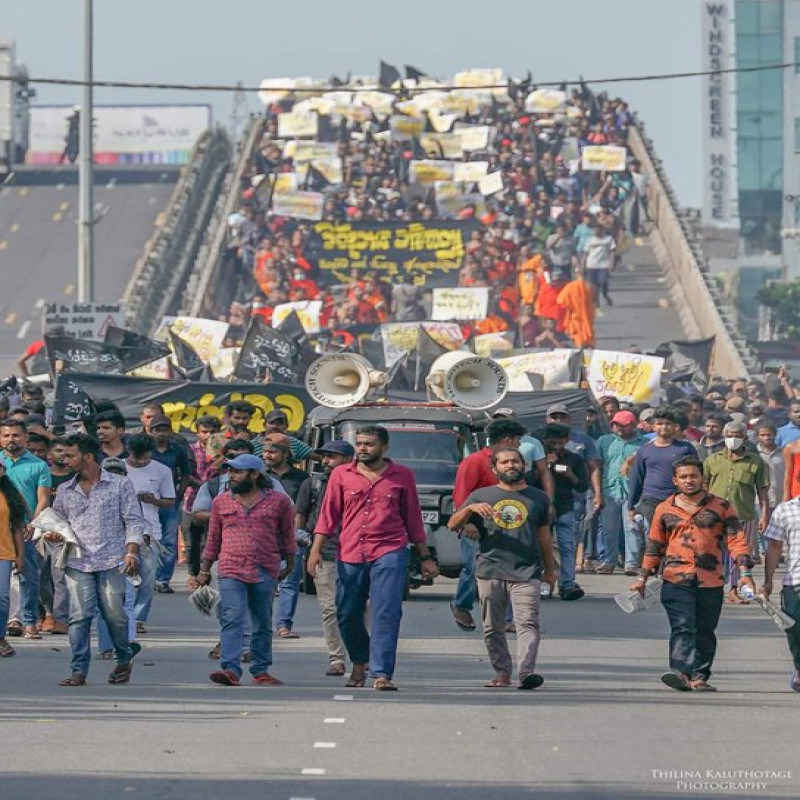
[{"x": 122, "y": 134}]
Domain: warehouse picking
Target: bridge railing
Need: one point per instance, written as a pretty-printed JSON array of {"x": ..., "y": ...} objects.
[
  {"x": 159, "y": 277},
  {"x": 206, "y": 290},
  {"x": 703, "y": 309}
]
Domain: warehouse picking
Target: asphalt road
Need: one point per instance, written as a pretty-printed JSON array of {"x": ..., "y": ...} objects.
[
  {"x": 643, "y": 313},
  {"x": 39, "y": 241},
  {"x": 602, "y": 726}
]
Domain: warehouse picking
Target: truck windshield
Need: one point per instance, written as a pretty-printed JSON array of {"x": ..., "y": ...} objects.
[{"x": 433, "y": 451}]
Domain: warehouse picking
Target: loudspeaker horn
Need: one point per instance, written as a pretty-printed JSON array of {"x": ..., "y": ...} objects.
[
  {"x": 340, "y": 380},
  {"x": 469, "y": 381}
]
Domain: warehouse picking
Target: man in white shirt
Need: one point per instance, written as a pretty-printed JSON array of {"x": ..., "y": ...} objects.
[
  {"x": 598, "y": 261},
  {"x": 155, "y": 489},
  {"x": 784, "y": 528}
]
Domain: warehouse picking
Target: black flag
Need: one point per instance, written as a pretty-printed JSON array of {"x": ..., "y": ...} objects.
[
  {"x": 185, "y": 355},
  {"x": 414, "y": 73},
  {"x": 71, "y": 404},
  {"x": 135, "y": 349},
  {"x": 315, "y": 181},
  {"x": 326, "y": 132},
  {"x": 689, "y": 361},
  {"x": 84, "y": 355},
  {"x": 388, "y": 75},
  {"x": 266, "y": 350}
]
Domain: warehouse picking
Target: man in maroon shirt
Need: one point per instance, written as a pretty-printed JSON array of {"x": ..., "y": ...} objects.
[
  {"x": 251, "y": 531},
  {"x": 475, "y": 472},
  {"x": 373, "y": 504}
]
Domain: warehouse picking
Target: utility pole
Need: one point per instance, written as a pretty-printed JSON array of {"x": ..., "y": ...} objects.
[
  {"x": 85, "y": 175},
  {"x": 239, "y": 113}
]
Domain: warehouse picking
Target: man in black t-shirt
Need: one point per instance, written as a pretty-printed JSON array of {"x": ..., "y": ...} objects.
[{"x": 512, "y": 524}]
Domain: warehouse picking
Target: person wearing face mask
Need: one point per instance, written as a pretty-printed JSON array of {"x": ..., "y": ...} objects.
[{"x": 740, "y": 476}]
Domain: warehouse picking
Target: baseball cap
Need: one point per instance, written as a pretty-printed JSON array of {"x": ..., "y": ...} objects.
[
  {"x": 115, "y": 465},
  {"x": 159, "y": 420},
  {"x": 502, "y": 412},
  {"x": 246, "y": 461},
  {"x": 624, "y": 418},
  {"x": 557, "y": 408},
  {"x": 647, "y": 413},
  {"x": 277, "y": 416},
  {"x": 337, "y": 447}
]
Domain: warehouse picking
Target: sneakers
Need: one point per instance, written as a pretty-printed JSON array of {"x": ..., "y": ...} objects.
[
  {"x": 571, "y": 592},
  {"x": 225, "y": 677}
]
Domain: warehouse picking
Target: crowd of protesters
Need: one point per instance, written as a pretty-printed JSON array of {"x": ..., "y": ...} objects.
[
  {"x": 547, "y": 246},
  {"x": 138, "y": 500}
]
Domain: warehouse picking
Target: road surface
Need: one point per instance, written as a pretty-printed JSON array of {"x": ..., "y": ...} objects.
[{"x": 602, "y": 726}]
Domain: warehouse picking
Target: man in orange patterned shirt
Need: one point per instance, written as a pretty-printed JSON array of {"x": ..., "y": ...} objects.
[{"x": 687, "y": 535}]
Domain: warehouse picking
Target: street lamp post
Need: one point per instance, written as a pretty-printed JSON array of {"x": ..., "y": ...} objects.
[{"x": 86, "y": 203}]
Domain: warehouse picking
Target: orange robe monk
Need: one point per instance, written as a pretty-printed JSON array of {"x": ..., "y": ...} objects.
[{"x": 577, "y": 299}]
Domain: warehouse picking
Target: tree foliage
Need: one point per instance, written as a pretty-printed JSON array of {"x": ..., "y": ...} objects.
[{"x": 784, "y": 301}]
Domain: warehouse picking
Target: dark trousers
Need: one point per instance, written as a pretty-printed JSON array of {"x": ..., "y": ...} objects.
[
  {"x": 790, "y": 602},
  {"x": 693, "y": 615},
  {"x": 194, "y": 537},
  {"x": 647, "y": 508}
]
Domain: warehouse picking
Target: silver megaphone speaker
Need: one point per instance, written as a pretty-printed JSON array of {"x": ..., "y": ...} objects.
[
  {"x": 340, "y": 380},
  {"x": 469, "y": 381}
]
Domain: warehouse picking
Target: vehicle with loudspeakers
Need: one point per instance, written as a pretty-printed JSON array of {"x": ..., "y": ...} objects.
[{"x": 430, "y": 437}]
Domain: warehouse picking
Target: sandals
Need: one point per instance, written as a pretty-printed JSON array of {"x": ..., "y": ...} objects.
[
  {"x": 335, "y": 670},
  {"x": 356, "y": 683},
  {"x": 677, "y": 681},
  {"x": 463, "y": 618},
  {"x": 76, "y": 679},
  {"x": 121, "y": 673},
  {"x": 6, "y": 650},
  {"x": 14, "y": 628},
  {"x": 286, "y": 633},
  {"x": 213, "y": 653},
  {"x": 498, "y": 683},
  {"x": 383, "y": 685}
]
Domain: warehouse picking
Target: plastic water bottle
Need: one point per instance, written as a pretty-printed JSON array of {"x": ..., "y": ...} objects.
[
  {"x": 632, "y": 602},
  {"x": 135, "y": 579},
  {"x": 746, "y": 592}
]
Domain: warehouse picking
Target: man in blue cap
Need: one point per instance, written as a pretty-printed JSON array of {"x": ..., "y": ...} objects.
[
  {"x": 309, "y": 501},
  {"x": 251, "y": 531}
]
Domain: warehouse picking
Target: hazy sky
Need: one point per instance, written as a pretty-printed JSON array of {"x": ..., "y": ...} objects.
[{"x": 209, "y": 41}]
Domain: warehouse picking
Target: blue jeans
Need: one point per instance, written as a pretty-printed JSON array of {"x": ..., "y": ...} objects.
[
  {"x": 467, "y": 590},
  {"x": 6, "y": 568},
  {"x": 29, "y": 585},
  {"x": 289, "y": 592},
  {"x": 567, "y": 540},
  {"x": 236, "y": 598},
  {"x": 617, "y": 524},
  {"x": 88, "y": 592},
  {"x": 170, "y": 519},
  {"x": 104, "y": 641},
  {"x": 382, "y": 582}
]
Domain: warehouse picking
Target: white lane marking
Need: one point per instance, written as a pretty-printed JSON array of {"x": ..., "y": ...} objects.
[
  {"x": 23, "y": 329},
  {"x": 312, "y": 771},
  {"x": 343, "y": 697},
  {"x": 334, "y": 720},
  {"x": 39, "y": 303},
  {"x": 302, "y": 798},
  {"x": 325, "y": 745}
]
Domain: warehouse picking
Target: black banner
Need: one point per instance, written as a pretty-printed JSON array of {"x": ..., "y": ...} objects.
[
  {"x": 267, "y": 351},
  {"x": 72, "y": 404},
  {"x": 135, "y": 349},
  {"x": 185, "y": 401},
  {"x": 429, "y": 252},
  {"x": 185, "y": 355},
  {"x": 84, "y": 355}
]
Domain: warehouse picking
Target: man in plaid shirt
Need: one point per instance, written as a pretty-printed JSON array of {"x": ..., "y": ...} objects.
[
  {"x": 784, "y": 527},
  {"x": 251, "y": 531}
]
